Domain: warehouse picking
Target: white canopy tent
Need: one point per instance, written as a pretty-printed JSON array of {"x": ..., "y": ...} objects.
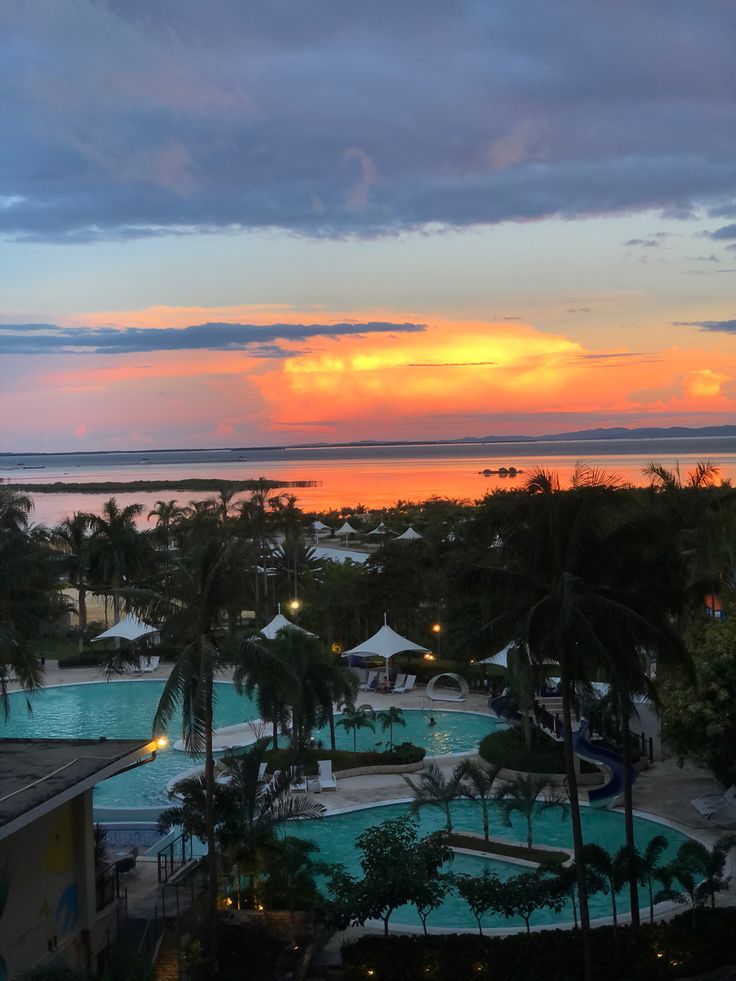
[
  {"x": 500, "y": 657},
  {"x": 381, "y": 530},
  {"x": 385, "y": 643},
  {"x": 280, "y": 622},
  {"x": 347, "y": 530},
  {"x": 320, "y": 528},
  {"x": 410, "y": 535},
  {"x": 129, "y": 628}
]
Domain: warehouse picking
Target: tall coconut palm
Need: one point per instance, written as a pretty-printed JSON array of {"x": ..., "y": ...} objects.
[
  {"x": 29, "y": 599},
  {"x": 117, "y": 549},
  {"x": 650, "y": 867},
  {"x": 167, "y": 514},
  {"x": 558, "y": 579},
  {"x": 192, "y": 597},
  {"x": 72, "y": 536}
]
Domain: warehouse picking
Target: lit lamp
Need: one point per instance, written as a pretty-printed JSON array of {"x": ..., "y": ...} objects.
[
  {"x": 295, "y": 605},
  {"x": 437, "y": 631},
  {"x": 162, "y": 742}
]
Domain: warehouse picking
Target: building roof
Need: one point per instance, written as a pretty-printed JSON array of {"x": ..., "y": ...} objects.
[{"x": 37, "y": 775}]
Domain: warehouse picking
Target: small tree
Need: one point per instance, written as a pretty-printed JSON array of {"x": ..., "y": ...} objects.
[
  {"x": 523, "y": 796},
  {"x": 397, "y": 869},
  {"x": 699, "y": 871},
  {"x": 612, "y": 871},
  {"x": 435, "y": 790},
  {"x": 353, "y": 719},
  {"x": 389, "y": 718},
  {"x": 649, "y": 868},
  {"x": 482, "y": 893},
  {"x": 524, "y": 894},
  {"x": 476, "y": 783}
]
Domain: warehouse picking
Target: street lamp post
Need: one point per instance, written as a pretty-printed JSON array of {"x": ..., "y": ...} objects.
[{"x": 437, "y": 631}]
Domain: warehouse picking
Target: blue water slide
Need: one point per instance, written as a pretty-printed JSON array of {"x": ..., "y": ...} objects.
[
  {"x": 606, "y": 795},
  {"x": 500, "y": 705}
]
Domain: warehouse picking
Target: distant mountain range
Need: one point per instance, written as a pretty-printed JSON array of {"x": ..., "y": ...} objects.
[{"x": 615, "y": 432}]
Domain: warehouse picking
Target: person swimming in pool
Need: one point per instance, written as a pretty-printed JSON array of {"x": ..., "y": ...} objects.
[{"x": 432, "y": 721}]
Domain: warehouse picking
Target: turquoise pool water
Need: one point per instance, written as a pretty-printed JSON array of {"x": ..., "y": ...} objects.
[
  {"x": 125, "y": 710},
  {"x": 336, "y": 836}
]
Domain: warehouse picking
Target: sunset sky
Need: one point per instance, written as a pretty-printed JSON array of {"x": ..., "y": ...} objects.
[{"x": 232, "y": 223}]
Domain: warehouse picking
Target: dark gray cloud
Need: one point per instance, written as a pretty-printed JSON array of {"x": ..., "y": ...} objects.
[
  {"x": 258, "y": 340},
  {"x": 726, "y": 232},
  {"x": 643, "y": 243},
  {"x": 718, "y": 326},
  {"x": 124, "y": 118}
]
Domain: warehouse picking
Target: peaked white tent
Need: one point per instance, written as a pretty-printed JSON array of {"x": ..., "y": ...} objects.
[
  {"x": 280, "y": 622},
  {"x": 320, "y": 528},
  {"x": 346, "y": 530},
  {"x": 128, "y": 628},
  {"x": 410, "y": 535},
  {"x": 381, "y": 530},
  {"x": 501, "y": 657},
  {"x": 385, "y": 643}
]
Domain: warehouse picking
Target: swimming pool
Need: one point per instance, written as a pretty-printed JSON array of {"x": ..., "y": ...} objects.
[
  {"x": 336, "y": 836},
  {"x": 125, "y": 710}
]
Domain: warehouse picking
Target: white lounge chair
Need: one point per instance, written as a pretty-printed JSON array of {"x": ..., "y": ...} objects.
[
  {"x": 399, "y": 683},
  {"x": 262, "y": 771},
  {"x": 150, "y": 664},
  {"x": 298, "y": 780},
  {"x": 707, "y": 804},
  {"x": 325, "y": 775},
  {"x": 724, "y": 816},
  {"x": 370, "y": 683},
  {"x": 407, "y": 686}
]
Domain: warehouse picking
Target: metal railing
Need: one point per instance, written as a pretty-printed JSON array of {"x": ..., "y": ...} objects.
[
  {"x": 180, "y": 893},
  {"x": 174, "y": 856}
]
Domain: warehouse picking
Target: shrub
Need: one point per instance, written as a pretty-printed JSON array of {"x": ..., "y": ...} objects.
[
  {"x": 505, "y": 747},
  {"x": 651, "y": 953},
  {"x": 83, "y": 661},
  {"x": 343, "y": 759}
]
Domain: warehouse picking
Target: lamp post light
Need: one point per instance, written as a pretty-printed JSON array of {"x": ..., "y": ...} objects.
[
  {"x": 437, "y": 631},
  {"x": 295, "y": 605}
]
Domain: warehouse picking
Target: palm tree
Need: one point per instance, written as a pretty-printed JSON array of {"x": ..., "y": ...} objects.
[
  {"x": 29, "y": 598},
  {"x": 649, "y": 867},
  {"x": 479, "y": 787},
  {"x": 353, "y": 719},
  {"x": 611, "y": 870},
  {"x": 558, "y": 576},
  {"x": 522, "y": 795},
  {"x": 435, "y": 790},
  {"x": 167, "y": 514},
  {"x": 699, "y": 870},
  {"x": 194, "y": 592},
  {"x": 117, "y": 549},
  {"x": 72, "y": 536},
  {"x": 390, "y": 717}
]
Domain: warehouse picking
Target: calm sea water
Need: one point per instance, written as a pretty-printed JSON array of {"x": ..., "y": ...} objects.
[{"x": 376, "y": 476}]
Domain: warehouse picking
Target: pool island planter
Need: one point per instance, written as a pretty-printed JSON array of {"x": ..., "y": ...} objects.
[
  {"x": 469, "y": 843},
  {"x": 363, "y": 771}
]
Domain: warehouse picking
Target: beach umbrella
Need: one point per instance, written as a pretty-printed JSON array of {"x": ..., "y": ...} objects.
[
  {"x": 320, "y": 528},
  {"x": 385, "y": 643}
]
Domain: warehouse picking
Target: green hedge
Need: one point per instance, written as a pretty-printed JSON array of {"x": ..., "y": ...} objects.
[
  {"x": 652, "y": 953},
  {"x": 83, "y": 661},
  {"x": 403, "y": 753},
  {"x": 505, "y": 747}
]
